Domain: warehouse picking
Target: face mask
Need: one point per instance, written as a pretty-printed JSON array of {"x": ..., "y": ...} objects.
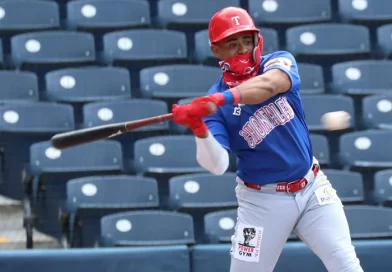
[{"x": 240, "y": 68}]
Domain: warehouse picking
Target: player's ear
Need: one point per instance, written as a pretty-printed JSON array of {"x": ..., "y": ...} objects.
[{"x": 216, "y": 51}]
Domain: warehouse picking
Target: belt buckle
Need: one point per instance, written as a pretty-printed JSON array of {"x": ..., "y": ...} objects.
[{"x": 288, "y": 186}]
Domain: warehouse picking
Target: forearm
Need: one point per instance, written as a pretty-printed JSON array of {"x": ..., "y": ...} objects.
[
  {"x": 211, "y": 155},
  {"x": 256, "y": 90}
]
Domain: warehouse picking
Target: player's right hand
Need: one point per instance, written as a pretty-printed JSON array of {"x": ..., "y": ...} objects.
[{"x": 189, "y": 117}]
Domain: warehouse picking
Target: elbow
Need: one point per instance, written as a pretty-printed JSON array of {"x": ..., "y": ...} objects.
[{"x": 216, "y": 167}]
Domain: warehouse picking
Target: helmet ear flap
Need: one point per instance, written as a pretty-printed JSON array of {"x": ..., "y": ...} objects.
[{"x": 257, "y": 51}]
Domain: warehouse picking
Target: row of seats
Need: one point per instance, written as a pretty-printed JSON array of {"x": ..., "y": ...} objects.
[
  {"x": 295, "y": 256},
  {"x": 184, "y": 13},
  {"x": 93, "y": 83},
  {"x": 25, "y": 117},
  {"x": 87, "y": 199},
  {"x": 132, "y": 45}
]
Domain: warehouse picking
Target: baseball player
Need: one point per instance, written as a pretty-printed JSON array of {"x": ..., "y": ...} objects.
[{"x": 257, "y": 114}]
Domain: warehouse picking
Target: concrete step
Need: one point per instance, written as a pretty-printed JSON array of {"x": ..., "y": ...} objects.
[{"x": 16, "y": 239}]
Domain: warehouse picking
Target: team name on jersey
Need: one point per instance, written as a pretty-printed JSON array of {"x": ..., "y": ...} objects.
[{"x": 266, "y": 119}]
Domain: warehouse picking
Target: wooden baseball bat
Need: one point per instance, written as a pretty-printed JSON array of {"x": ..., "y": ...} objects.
[{"x": 87, "y": 135}]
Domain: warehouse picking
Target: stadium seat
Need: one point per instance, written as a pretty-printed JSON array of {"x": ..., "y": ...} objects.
[
  {"x": 348, "y": 185},
  {"x": 323, "y": 43},
  {"x": 369, "y": 221},
  {"x": 203, "y": 54},
  {"x": 161, "y": 155},
  {"x": 382, "y": 193},
  {"x": 199, "y": 194},
  {"x": 144, "y": 228},
  {"x": 371, "y": 12},
  {"x": 78, "y": 86},
  {"x": 48, "y": 50},
  {"x": 91, "y": 198},
  {"x": 147, "y": 259},
  {"x": 384, "y": 40},
  {"x": 202, "y": 191},
  {"x": 88, "y": 84},
  {"x": 104, "y": 15},
  {"x": 109, "y": 112},
  {"x": 189, "y": 15},
  {"x": 315, "y": 106},
  {"x": 320, "y": 148},
  {"x": 177, "y": 81},
  {"x": 219, "y": 226},
  {"x": 144, "y": 47},
  {"x": 377, "y": 111},
  {"x": 366, "y": 149},
  {"x": 21, "y": 125},
  {"x": 18, "y": 87},
  {"x": 290, "y": 12},
  {"x": 312, "y": 78},
  {"x": 24, "y": 16},
  {"x": 362, "y": 77},
  {"x": 50, "y": 169}
]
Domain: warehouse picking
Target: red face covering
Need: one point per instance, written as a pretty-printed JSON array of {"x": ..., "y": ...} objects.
[{"x": 240, "y": 68}]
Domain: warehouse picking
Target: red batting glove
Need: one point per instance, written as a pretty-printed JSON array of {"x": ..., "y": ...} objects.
[{"x": 182, "y": 116}]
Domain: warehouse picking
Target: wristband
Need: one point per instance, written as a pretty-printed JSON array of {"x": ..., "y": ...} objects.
[{"x": 232, "y": 96}]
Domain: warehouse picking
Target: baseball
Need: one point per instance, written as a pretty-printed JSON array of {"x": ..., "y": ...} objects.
[{"x": 336, "y": 120}]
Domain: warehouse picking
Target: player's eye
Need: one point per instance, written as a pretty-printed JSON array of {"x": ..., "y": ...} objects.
[{"x": 232, "y": 45}]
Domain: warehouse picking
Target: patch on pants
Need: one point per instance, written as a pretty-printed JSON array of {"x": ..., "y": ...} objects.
[
  {"x": 327, "y": 195},
  {"x": 246, "y": 245}
]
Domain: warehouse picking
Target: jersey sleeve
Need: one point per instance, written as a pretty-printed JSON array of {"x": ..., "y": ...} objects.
[
  {"x": 285, "y": 62},
  {"x": 216, "y": 126}
]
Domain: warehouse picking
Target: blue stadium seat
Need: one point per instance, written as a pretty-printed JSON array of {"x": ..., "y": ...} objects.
[
  {"x": 204, "y": 55},
  {"x": 382, "y": 193},
  {"x": 366, "y": 149},
  {"x": 147, "y": 259},
  {"x": 290, "y": 12},
  {"x": 88, "y": 84},
  {"x": 177, "y": 81},
  {"x": 320, "y": 148},
  {"x": 2, "y": 63},
  {"x": 362, "y": 77},
  {"x": 18, "y": 87},
  {"x": 296, "y": 256},
  {"x": 144, "y": 47},
  {"x": 377, "y": 111},
  {"x": 24, "y": 15},
  {"x": 91, "y": 198},
  {"x": 48, "y": 50},
  {"x": 348, "y": 185},
  {"x": 315, "y": 106},
  {"x": 219, "y": 226},
  {"x": 161, "y": 155},
  {"x": 369, "y": 221},
  {"x": 371, "y": 12},
  {"x": 188, "y": 14},
  {"x": 104, "y": 15},
  {"x": 323, "y": 43},
  {"x": 21, "y": 125},
  {"x": 202, "y": 191},
  {"x": 81, "y": 85},
  {"x": 144, "y": 228},
  {"x": 103, "y": 113},
  {"x": 50, "y": 169},
  {"x": 312, "y": 78},
  {"x": 384, "y": 40},
  {"x": 199, "y": 194}
]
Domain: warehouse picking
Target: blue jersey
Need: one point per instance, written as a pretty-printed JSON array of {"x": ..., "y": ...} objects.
[{"x": 271, "y": 139}]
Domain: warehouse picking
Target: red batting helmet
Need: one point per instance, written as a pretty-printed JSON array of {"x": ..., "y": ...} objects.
[{"x": 229, "y": 21}]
